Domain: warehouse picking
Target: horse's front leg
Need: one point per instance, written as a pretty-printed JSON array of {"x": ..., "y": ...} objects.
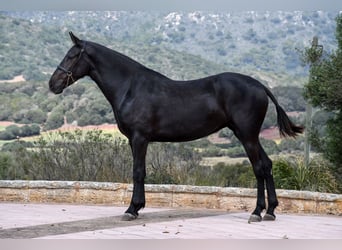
[{"x": 139, "y": 148}]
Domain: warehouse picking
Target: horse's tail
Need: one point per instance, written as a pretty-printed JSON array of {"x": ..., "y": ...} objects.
[{"x": 286, "y": 127}]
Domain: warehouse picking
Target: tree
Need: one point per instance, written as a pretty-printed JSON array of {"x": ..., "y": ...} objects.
[
  {"x": 54, "y": 120},
  {"x": 35, "y": 116},
  {"x": 13, "y": 131},
  {"x": 29, "y": 130},
  {"x": 324, "y": 90}
]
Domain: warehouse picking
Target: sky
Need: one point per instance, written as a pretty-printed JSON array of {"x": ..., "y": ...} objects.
[{"x": 173, "y": 5}]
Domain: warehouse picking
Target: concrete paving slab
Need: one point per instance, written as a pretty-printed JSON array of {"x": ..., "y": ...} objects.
[
  {"x": 64, "y": 221},
  {"x": 13, "y": 215}
]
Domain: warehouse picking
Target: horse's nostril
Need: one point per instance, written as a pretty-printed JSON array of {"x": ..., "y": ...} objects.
[{"x": 56, "y": 86}]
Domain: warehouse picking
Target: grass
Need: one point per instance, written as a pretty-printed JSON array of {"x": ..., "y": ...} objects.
[
  {"x": 2, "y": 128},
  {"x": 3, "y": 142}
]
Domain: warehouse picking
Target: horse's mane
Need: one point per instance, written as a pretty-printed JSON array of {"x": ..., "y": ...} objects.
[{"x": 125, "y": 59}]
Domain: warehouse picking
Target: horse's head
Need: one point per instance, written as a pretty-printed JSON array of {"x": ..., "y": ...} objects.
[{"x": 72, "y": 67}]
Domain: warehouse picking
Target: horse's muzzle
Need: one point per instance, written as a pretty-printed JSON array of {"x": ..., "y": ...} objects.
[{"x": 56, "y": 87}]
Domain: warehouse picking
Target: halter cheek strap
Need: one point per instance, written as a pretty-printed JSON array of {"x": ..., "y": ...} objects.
[{"x": 68, "y": 72}]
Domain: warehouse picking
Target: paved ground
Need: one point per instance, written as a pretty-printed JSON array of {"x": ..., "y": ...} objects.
[{"x": 61, "y": 221}]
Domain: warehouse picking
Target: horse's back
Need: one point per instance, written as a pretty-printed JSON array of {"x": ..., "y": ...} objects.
[{"x": 240, "y": 90}]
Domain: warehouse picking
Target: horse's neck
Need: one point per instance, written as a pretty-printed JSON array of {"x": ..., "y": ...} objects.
[{"x": 111, "y": 71}]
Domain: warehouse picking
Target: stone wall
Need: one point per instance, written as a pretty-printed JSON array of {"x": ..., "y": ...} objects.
[{"x": 173, "y": 196}]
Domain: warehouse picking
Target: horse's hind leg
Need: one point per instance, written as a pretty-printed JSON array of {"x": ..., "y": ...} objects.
[
  {"x": 262, "y": 167},
  {"x": 253, "y": 154},
  {"x": 271, "y": 193},
  {"x": 270, "y": 187}
]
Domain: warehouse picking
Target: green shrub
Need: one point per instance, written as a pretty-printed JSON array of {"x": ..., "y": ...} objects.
[
  {"x": 237, "y": 151},
  {"x": 6, "y": 135},
  {"x": 13, "y": 131},
  {"x": 35, "y": 116},
  {"x": 29, "y": 130},
  {"x": 17, "y": 145},
  {"x": 95, "y": 156},
  {"x": 54, "y": 120},
  {"x": 291, "y": 173},
  {"x": 5, "y": 163},
  {"x": 212, "y": 151},
  {"x": 228, "y": 175},
  {"x": 86, "y": 156},
  {"x": 174, "y": 163}
]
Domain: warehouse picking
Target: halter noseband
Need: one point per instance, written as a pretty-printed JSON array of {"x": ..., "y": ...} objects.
[{"x": 69, "y": 72}]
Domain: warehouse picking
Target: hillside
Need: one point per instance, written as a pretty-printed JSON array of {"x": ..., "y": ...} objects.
[
  {"x": 34, "y": 51},
  {"x": 262, "y": 44},
  {"x": 181, "y": 45}
]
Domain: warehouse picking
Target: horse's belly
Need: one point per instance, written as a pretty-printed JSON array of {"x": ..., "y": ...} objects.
[{"x": 188, "y": 127}]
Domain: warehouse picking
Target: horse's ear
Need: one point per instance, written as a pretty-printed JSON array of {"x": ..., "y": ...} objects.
[{"x": 74, "y": 38}]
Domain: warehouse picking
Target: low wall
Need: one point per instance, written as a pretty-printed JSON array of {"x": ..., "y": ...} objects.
[{"x": 173, "y": 196}]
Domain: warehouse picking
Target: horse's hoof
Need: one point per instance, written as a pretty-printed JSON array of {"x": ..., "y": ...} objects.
[
  {"x": 129, "y": 217},
  {"x": 254, "y": 218},
  {"x": 269, "y": 217}
]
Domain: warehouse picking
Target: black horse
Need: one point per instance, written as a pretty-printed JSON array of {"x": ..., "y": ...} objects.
[{"x": 149, "y": 107}]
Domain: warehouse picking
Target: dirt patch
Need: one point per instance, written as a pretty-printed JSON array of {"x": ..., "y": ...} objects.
[
  {"x": 67, "y": 127},
  {"x": 6, "y": 123},
  {"x": 270, "y": 133},
  {"x": 19, "y": 78},
  {"x": 216, "y": 139}
]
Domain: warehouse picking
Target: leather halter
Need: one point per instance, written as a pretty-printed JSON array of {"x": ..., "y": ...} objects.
[{"x": 69, "y": 72}]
